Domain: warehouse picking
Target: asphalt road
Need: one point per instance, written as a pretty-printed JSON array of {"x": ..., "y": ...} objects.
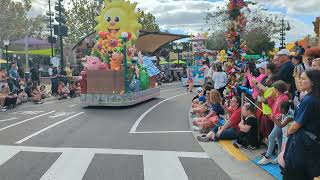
[{"x": 61, "y": 140}]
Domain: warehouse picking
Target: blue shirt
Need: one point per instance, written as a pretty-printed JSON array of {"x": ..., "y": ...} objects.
[
  {"x": 217, "y": 108},
  {"x": 308, "y": 114},
  {"x": 14, "y": 73}
]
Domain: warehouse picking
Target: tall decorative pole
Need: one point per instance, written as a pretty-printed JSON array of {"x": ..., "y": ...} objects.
[
  {"x": 236, "y": 28},
  {"x": 125, "y": 38}
]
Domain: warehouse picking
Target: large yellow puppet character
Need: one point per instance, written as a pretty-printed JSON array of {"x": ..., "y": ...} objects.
[{"x": 119, "y": 16}]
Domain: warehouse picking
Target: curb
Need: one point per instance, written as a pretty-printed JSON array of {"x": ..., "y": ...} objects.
[{"x": 238, "y": 170}]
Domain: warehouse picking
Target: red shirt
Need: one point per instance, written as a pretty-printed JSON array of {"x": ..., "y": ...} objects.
[{"x": 235, "y": 119}]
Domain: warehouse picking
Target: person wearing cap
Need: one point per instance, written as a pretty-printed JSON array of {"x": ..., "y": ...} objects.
[
  {"x": 199, "y": 93},
  {"x": 200, "y": 105},
  {"x": 213, "y": 118},
  {"x": 286, "y": 70}
]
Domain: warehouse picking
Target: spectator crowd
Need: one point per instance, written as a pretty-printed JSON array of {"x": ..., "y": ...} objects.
[
  {"x": 272, "y": 103},
  {"x": 16, "y": 89}
]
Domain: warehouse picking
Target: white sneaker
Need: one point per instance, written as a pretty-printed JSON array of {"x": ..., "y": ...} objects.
[
  {"x": 195, "y": 128},
  {"x": 275, "y": 161},
  {"x": 265, "y": 161}
]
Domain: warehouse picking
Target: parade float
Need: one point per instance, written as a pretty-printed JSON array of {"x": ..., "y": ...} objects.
[
  {"x": 116, "y": 74},
  {"x": 199, "y": 55}
]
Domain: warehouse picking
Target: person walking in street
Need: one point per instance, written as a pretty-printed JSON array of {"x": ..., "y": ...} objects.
[
  {"x": 35, "y": 75},
  {"x": 53, "y": 73}
]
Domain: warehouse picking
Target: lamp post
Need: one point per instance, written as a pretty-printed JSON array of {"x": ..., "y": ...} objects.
[
  {"x": 6, "y": 45},
  {"x": 283, "y": 30}
]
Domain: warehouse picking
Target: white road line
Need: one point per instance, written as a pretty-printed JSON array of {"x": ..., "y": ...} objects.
[
  {"x": 170, "y": 89},
  {"x": 73, "y": 105},
  {"x": 50, "y": 102},
  {"x": 70, "y": 165},
  {"x": 201, "y": 155},
  {"x": 136, "y": 124},
  {"x": 7, "y": 153},
  {"x": 10, "y": 119},
  {"x": 160, "y": 166},
  {"x": 45, "y": 129},
  {"x": 15, "y": 124},
  {"x": 159, "y": 132}
]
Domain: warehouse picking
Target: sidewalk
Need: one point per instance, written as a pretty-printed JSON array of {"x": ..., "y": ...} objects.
[{"x": 237, "y": 163}]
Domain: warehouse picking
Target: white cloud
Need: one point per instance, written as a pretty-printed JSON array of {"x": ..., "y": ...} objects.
[
  {"x": 296, "y": 7},
  {"x": 188, "y": 15}
]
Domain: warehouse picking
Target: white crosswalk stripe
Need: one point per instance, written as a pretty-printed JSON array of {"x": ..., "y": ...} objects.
[
  {"x": 74, "y": 162},
  {"x": 70, "y": 165}
]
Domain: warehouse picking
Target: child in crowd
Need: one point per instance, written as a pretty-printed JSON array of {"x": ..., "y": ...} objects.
[
  {"x": 22, "y": 97},
  {"x": 212, "y": 119},
  {"x": 63, "y": 91},
  {"x": 287, "y": 110},
  {"x": 230, "y": 130},
  {"x": 249, "y": 131},
  {"x": 2, "y": 98},
  {"x": 279, "y": 97},
  {"x": 36, "y": 95},
  {"x": 201, "y": 105},
  {"x": 44, "y": 92},
  {"x": 78, "y": 88},
  {"x": 73, "y": 89},
  {"x": 199, "y": 94},
  {"x": 27, "y": 89},
  {"x": 11, "y": 98},
  {"x": 190, "y": 84}
]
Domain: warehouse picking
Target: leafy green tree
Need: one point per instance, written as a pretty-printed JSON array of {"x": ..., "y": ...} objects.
[
  {"x": 258, "y": 41},
  {"x": 316, "y": 26},
  {"x": 14, "y": 22},
  {"x": 81, "y": 19},
  {"x": 217, "y": 41},
  {"x": 148, "y": 22},
  {"x": 258, "y": 19}
]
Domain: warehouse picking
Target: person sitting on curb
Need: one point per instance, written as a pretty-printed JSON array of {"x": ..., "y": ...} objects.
[
  {"x": 201, "y": 108},
  {"x": 230, "y": 129},
  {"x": 78, "y": 88},
  {"x": 199, "y": 94},
  {"x": 63, "y": 91},
  {"x": 73, "y": 89},
  {"x": 9, "y": 99},
  {"x": 28, "y": 88},
  {"x": 22, "y": 97},
  {"x": 36, "y": 95},
  {"x": 249, "y": 132},
  {"x": 204, "y": 124},
  {"x": 44, "y": 92}
]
